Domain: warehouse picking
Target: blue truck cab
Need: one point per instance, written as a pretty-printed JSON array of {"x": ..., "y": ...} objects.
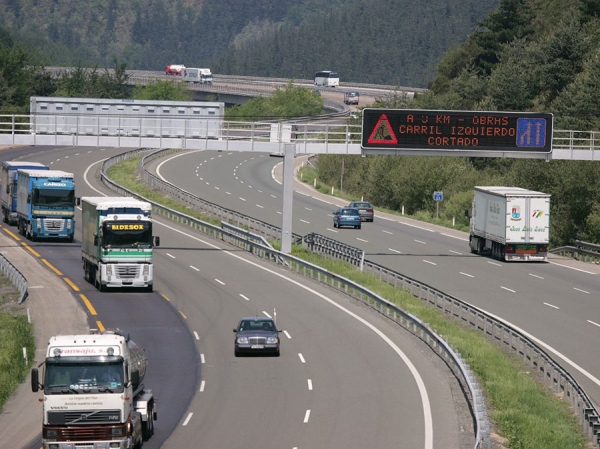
[
  {"x": 8, "y": 187},
  {"x": 46, "y": 204}
]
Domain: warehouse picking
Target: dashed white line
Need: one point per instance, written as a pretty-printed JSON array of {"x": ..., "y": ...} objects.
[
  {"x": 243, "y": 199},
  {"x": 196, "y": 335},
  {"x": 429, "y": 262},
  {"x": 309, "y": 384},
  {"x": 466, "y": 274},
  {"x": 258, "y": 205},
  {"x": 455, "y": 252},
  {"x": 387, "y": 232},
  {"x": 506, "y": 288},
  {"x": 266, "y": 314},
  {"x": 218, "y": 188},
  {"x": 260, "y": 191},
  {"x": 362, "y": 240},
  {"x": 220, "y": 282},
  {"x": 535, "y": 276},
  {"x": 304, "y": 221},
  {"x": 194, "y": 268},
  {"x": 228, "y": 193},
  {"x": 244, "y": 297},
  {"x": 494, "y": 263},
  {"x": 394, "y": 250},
  {"x": 273, "y": 196},
  {"x": 202, "y": 386},
  {"x": 301, "y": 358},
  {"x": 279, "y": 212},
  {"x": 171, "y": 256},
  {"x": 595, "y": 324},
  {"x": 550, "y": 305},
  {"x": 202, "y": 360},
  {"x": 187, "y": 420},
  {"x": 306, "y": 416},
  {"x": 419, "y": 241},
  {"x": 307, "y": 208},
  {"x": 287, "y": 334},
  {"x": 582, "y": 291}
]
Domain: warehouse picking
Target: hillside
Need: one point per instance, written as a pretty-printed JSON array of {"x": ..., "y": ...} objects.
[{"x": 387, "y": 41}]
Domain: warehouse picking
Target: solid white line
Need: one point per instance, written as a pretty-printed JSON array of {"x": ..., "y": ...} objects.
[
  {"x": 196, "y": 335},
  {"x": 171, "y": 256},
  {"x": 550, "y": 305},
  {"x": 582, "y": 291},
  {"x": 244, "y": 297},
  {"x": 394, "y": 250},
  {"x": 415, "y": 226},
  {"x": 595, "y": 324},
  {"x": 572, "y": 268},
  {"x": 310, "y": 384},
  {"x": 187, "y": 420},
  {"x": 194, "y": 268},
  {"x": 202, "y": 386},
  {"x": 455, "y": 252},
  {"x": 202, "y": 361},
  {"x": 466, "y": 274},
  {"x": 220, "y": 282},
  {"x": 306, "y": 416},
  {"x": 419, "y": 241},
  {"x": 427, "y": 261},
  {"x": 536, "y": 276},
  {"x": 505, "y": 288},
  {"x": 301, "y": 358},
  {"x": 387, "y": 232}
]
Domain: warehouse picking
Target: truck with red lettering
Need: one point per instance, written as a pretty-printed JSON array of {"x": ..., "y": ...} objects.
[
  {"x": 117, "y": 242},
  {"x": 510, "y": 223},
  {"x": 93, "y": 392}
]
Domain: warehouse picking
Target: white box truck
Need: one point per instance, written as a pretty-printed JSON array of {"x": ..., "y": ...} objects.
[
  {"x": 197, "y": 76},
  {"x": 510, "y": 223},
  {"x": 117, "y": 242}
]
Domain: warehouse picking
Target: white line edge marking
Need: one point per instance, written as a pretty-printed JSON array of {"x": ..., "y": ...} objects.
[
  {"x": 582, "y": 291},
  {"x": 466, "y": 274},
  {"x": 550, "y": 305},
  {"x": 595, "y": 324},
  {"x": 506, "y": 288},
  {"x": 536, "y": 276},
  {"x": 202, "y": 384},
  {"x": 429, "y": 262},
  {"x": 306, "y": 416},
  {"x": 187, "y": 420}
]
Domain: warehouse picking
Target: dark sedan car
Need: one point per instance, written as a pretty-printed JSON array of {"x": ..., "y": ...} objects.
[
  {"x": 256, "y": 335},
  {"x": 346, "y": 216},
  {"x": 364, "y": 209}
]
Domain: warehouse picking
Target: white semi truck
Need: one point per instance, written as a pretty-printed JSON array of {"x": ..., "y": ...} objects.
[
  {"x": 93, "y": 395},
  {"x": 197, "y": 76},
  {"x": 510, "y": 223},
  {"x": 117, "y": 242}
]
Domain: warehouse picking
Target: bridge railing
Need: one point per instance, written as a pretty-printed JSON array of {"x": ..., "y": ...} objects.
[{"x": 584, "y": 251}]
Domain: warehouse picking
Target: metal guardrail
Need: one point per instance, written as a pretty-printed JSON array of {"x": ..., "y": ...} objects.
[
  {"x": 15, "y": 276},
  {"x": 324, "y": 245},
  {"x": 409, "y": 322},
  {"x": 583, "y": 251}
]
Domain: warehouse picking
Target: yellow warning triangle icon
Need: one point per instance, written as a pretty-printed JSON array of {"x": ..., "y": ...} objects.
[{"x": 383, "y": 133}]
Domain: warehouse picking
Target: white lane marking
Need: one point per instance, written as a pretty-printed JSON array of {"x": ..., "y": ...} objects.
[
  {"x": 466, "y": 274},
  {"x": 572, "y": 268},
  {"x": 362, "y": 240},
  {"x": 494, "y": 263},
  {"x": 387, "y": 232},
  {"x": 287, "y": 334},
  {"x": 550, "y": 305},
  {"x": 267, "y": 314},
  {"x": 244, "y": 297},
  {"x": 454, "y": 237},
  {"x": 187, "y": 420},
  {"x": 273, "y": 196},
  {"x": 202, "y": 360},
  {"x": 332, "y": 230},
  {"x": 217, "y": 188},
  {"x": 307, "y": 208},
  {"x": 194, "y": 268},
  {"x": 279, "y": 212},
  {"x": 306, "y": 416},
  {"x": 202, "y": 386},
  {"x": 428, "y": 261},
  {"x": 196, "y": 335},
  {"x": 171, "y": 256},
  {"x": 506, "y": 288},
  {"x": 535, "y": 276},
  {"x": 415, "y": 226},
  {"x": 258, "y": 205},
  {"x": 394, "y": 250},
  {"x": 582, "y": 291},
  {"x": 309, "y": 384},
  {"x": 228, "y": 193},
  {"x": 301, "y": 358},
  {"x": 259, "y": 191},
  {"x": 419, "y": 241},
  {"x": 207, "y": 183},
  {"x": 595, "y": 324},
  {"x": 220, "y": 282},
  {"x": 304, "y": 221},
  {"x": 455, "y": 252},
  {"x": 249, "y": 186},
  {"x": 243, "y": 199}
]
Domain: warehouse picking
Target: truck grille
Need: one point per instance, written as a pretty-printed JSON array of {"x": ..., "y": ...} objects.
[
  {"x": 127, "y": 271},
  {"x": 84, "y": 417},
  {"x": 53, "y": 224}
]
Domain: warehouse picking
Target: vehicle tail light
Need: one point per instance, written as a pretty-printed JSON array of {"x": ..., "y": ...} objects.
[
  {"x": 509, "y": 249},
  {"x": 370, "y": 210},
  {"x": 543, "y": 249}
]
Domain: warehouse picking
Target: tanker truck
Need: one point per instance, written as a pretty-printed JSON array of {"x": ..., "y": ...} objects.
[
  {"x": 93, "y": 392},
  {"x": 8, "y": 187},
  {"x": 117, "y": 242}
]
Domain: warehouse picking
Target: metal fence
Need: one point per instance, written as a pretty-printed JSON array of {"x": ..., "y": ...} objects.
[
  {"x": 584, "y": 251},
  {"x": 15, "y": 276}
]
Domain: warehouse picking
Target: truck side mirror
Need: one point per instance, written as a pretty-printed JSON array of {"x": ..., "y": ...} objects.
[
  {"x": 78, "y": 201},
  {"x": 35, "y": 380},
  {"x": 29, "y": 199},
  {"x": 157, "y": 241},
  {"x": 95, "y": 239},
  {"x": 7, "y": 189}
]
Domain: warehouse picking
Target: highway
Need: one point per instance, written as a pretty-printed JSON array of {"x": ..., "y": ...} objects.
[
  {"x": 347, "y": 377},
  {"x": 555, "y": 302}
]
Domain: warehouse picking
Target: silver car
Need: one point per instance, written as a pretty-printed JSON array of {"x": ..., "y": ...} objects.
[{"x": 364, "y": 209}]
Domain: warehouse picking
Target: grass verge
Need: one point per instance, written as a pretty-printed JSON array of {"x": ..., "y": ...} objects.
[{"x": 525, "y": 413}]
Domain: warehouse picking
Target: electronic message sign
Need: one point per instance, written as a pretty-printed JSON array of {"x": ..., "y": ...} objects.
[{"x": 443, "y": 132}]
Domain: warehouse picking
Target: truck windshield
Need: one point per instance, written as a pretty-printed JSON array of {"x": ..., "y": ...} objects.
[
  {"x": 53, "y": 197},
  {"x": 127, "y": 234},
  {"x": 83, "y": 376}
]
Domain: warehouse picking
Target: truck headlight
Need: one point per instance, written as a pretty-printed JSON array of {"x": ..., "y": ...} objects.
[
  {"x": 69, "y": 224},
  {"x": 109, "y": 270},
  {"x": 146, "y": 269},
  {"x": 39, "y": 223}
]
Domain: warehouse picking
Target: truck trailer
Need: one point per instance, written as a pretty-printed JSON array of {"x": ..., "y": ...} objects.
[
  {"x": 117, "y": 242},
  {"x": 174, "y": 69},
  {"x": 46, "y": 204},
  {"x": 93, "y": 392},
  {"x": 510, "y": 223},
  {"x": 8, "y": 187},
  {"x": 197, "y": 76}
]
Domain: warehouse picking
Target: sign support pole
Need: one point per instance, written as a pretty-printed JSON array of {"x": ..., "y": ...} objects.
[{"x": 289, "y": 151}]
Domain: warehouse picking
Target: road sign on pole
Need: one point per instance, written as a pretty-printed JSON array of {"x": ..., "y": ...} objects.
[
  {"x": 456, "y": 133},
  {"x": 438, "y": 196}
]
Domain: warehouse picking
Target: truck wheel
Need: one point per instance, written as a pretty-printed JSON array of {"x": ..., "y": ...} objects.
[{"x": 148, "y": 426}]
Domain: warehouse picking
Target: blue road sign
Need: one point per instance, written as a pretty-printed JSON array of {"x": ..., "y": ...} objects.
[
  {"x": 438, "y": 196},
  {"x": 531, "y": 132}
]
